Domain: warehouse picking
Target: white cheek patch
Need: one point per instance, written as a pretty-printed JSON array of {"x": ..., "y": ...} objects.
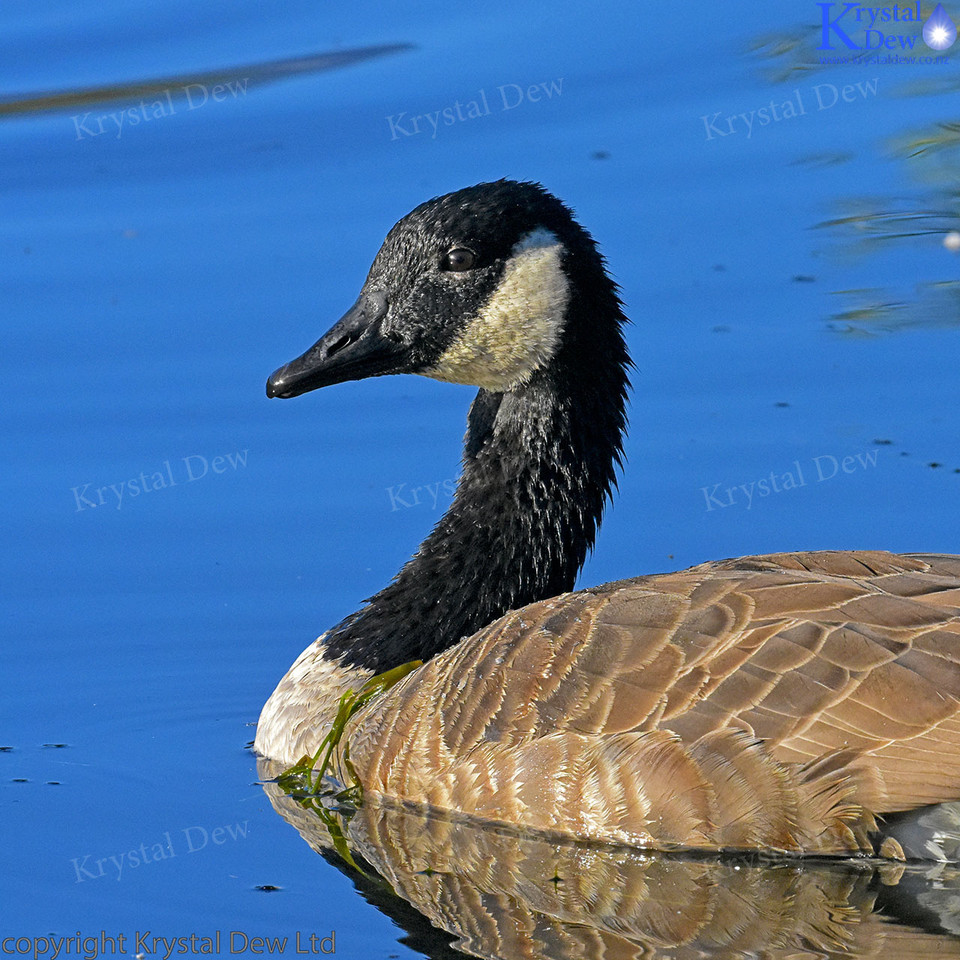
[{"x": 519, "y": 328}]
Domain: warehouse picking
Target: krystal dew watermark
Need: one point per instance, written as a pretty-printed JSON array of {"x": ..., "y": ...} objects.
[
  {"x": 826, "y": 467},
  {"x": 188, "y": 469},
  {"x": 824, "y": 96},
  {"x": 509, "y": 96},
  {"x": 403, "y": 496},
  {"x": 188, "y": 840},
  {"x": 191, "y": 95},
  {"x": 145, "y": 943},
  {"x": 854, "y": 26}
]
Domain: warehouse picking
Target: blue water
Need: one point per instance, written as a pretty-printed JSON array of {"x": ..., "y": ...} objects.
[{"x": 154, "y": 273}]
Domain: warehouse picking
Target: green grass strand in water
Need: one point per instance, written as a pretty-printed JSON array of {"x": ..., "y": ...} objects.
[{"x": 311, "y": 770}]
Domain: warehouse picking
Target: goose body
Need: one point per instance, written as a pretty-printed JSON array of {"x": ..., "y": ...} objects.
[{"x": 802, "y": 703}]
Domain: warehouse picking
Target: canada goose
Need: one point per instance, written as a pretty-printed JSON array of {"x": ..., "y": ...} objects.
[{"x": 776, "y": 703}]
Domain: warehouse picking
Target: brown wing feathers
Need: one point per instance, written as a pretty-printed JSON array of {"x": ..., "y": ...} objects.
[{"x": 776, "y": 701}]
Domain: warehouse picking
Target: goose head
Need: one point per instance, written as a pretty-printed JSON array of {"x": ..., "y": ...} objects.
[
  {"x": 497, "y": 286},
  {"x": 489, "y": 286}
]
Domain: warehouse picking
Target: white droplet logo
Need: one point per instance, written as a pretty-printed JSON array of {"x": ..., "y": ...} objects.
[{"x": 939, "y": 32}]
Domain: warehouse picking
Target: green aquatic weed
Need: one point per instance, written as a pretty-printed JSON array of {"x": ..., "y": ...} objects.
[{"x": 311, "y": 770}]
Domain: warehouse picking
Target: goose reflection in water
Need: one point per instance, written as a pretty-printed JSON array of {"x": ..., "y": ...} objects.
[{"x": 492, "y": 892}]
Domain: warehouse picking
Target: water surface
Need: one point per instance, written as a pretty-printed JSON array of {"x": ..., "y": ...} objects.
[{"x": 794, "y": 309}]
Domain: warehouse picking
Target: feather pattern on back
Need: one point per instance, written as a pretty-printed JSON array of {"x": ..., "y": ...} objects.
[{"x": 776, "y": 702}]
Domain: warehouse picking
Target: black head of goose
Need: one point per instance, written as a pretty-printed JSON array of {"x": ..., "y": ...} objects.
[{"x": 779, "y": 703}]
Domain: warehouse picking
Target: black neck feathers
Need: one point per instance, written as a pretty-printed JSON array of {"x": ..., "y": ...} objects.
[{"x": 539, "y": 464}]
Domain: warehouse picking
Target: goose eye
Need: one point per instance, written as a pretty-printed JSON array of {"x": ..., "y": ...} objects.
[{"x": 460, "y": 258}]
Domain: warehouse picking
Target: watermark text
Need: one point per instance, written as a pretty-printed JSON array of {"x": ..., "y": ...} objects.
[
  {"x": 192, "y": 95},
  {"x": 717, "y": 496},
  {"x": 508, "y": 96},
  {"x": 823, "y": 96},
  {"x": 188, "y": 840},
  {"x": 86, "y": 496},
  {"x": 145, "y": 943},
  {"x": 403, "y": 496}
]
